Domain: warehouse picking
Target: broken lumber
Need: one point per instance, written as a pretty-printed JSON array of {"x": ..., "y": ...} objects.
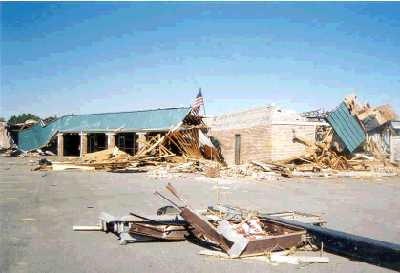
[{"x": 65, "y": 166}]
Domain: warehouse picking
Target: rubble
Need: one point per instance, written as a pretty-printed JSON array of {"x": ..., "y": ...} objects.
[
  {"x": 340, "y": 148},
  {"x": 236, "y": 233}
]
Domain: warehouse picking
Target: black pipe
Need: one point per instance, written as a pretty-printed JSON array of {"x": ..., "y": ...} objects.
[{"x": 380, "y": 253}]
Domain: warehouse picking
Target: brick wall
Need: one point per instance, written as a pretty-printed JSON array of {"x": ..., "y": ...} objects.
[
  {"x": 268, "y": 142},
  {"x": 266, "y": 133},
  {"x": 282, "y": 143},
  {"x": 255, "y": 143},
  {"x": 395, "y": 149}
]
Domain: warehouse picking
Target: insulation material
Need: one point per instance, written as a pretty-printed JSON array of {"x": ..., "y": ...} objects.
[{"x": 205, "y": 140}]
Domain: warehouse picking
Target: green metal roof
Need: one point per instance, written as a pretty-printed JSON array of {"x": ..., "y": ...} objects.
[
  {"x": 156, "y": 120},
  {"x": 346, "y": 127}
]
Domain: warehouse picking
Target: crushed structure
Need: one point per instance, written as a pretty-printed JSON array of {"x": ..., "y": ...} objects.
[
  {"x": 77, "y": 135},
  {"x": 236, "y": 233},
  {"x": 353, "y": 140}
]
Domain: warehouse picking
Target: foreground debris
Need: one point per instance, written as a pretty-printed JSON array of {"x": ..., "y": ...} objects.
[
  {"x": 273, "y": 257},
  {"x": 231, "y": 232},
  {"x": 251, "y": 236},
  {"x": 136, "y": 228}
]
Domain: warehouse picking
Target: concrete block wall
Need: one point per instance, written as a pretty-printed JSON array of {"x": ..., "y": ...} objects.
[
  {"x": 268, "y": 142},
  {"x": 395, "y": 149},
  {"x": 266, "y": 133},
  {"x": 255, "y": 143},
  {"x": 282, "y": 143},
  {"x": 244, "y": 119}
]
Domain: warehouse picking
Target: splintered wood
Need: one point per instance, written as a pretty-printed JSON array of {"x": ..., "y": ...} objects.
[
  {"x": 179, "y": 146},
  {"x": 326, "y": 154},
  {"x": 181, "y": 140}
]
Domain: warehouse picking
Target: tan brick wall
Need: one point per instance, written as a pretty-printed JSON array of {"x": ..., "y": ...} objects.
[
  {"x": 282, "y": 143},
  {"x": 255, "y": 143},
  {"x": 269, "y": 142}
]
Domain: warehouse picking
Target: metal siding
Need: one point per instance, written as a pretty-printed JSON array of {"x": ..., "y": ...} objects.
[
  {"x": 395, "y": 149},
  {"x": 346, "y": 127},
  {"x": 395, "y": 124},
  {"x": 160, "y": 119}
]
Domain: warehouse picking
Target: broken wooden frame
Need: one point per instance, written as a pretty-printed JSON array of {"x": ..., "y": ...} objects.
[
  {"x": 227, "y": 212},
  {"x": 181, "y": 140},
  {"x": 380, "y": 253},
  {"x": 283, "y": 236}
]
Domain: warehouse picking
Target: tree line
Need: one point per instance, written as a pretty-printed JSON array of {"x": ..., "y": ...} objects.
[{"x": 15, "y": 119}]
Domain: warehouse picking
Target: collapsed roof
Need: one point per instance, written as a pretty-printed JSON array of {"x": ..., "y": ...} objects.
[{"x": 135, "y": 121}]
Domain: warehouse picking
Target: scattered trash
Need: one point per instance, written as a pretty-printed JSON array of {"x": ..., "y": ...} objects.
[{"x": 236, "y": 233}]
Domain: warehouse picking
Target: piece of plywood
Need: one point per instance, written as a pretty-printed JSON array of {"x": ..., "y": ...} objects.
[{"x": 63, "y": 167}]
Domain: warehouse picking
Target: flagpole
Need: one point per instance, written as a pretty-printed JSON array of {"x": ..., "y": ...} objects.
[{"x": 204, "y": 105}]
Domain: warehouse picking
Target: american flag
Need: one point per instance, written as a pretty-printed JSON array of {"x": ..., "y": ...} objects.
[{"x": 197, "y": 103}]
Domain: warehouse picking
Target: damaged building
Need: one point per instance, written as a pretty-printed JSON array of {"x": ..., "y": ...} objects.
[
  {"x": 262, "y": 133},
  {"x": 77, "y": 135},
  {"x": 5, "y": 138}
]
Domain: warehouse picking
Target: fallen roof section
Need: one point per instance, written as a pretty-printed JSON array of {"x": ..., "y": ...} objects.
[
  {"x": 157, "y": 119},
  {"x": 347, "y": 127}
]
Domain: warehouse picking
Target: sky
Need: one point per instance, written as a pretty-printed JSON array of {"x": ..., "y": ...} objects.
[{"x": 64, "y": 58}]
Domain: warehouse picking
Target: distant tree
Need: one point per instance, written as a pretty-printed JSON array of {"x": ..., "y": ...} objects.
[
  {"x": 22, "y": 118},
  {"x": 50, "y": 118},
  {"x": 2, "y": 119}
]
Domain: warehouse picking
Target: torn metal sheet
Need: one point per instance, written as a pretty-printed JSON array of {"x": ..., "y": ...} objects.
[
  {"x": 347, "y": 127},
  {"x": 203, "y": 228},
  {"x": 130, "y": 229},
  {"x": 135, "y": 121},
  {"x": 161, "y": 231},
  {"x": 275, "y": 236}
]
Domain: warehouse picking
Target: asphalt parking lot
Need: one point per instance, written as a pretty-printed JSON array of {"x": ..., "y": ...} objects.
[{"x": 38, "y": 210}]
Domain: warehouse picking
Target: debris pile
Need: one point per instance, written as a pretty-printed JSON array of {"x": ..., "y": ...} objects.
[
  {"x": 348, "y": 147},
  {"x": 351, "y": 142},
  {"x": 218, "y": 228},
  {"x": 234, "y": 233}
]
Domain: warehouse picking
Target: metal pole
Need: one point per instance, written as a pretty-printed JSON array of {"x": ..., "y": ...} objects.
[
  {"x": 204, "y": 107},
  {"x": 380, "y": 253}
]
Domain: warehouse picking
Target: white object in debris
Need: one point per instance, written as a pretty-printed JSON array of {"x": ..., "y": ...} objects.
[
  {"x": 62, "y": 167},
  {"x": 205, "y": 140},
  {"x": 49, "y": 153},
  {"x": 229, "y": 232},
  {"x": 274, "y": 257},
  {"x": 298, "y": 259},
  {"x": 87, "y": 228},
  {"x": 255, "y": 226}
]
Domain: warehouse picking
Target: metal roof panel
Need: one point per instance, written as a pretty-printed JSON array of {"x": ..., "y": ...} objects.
[
  {"x": 347, "y": 127},
  {"x": 158, "y": 119}
]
